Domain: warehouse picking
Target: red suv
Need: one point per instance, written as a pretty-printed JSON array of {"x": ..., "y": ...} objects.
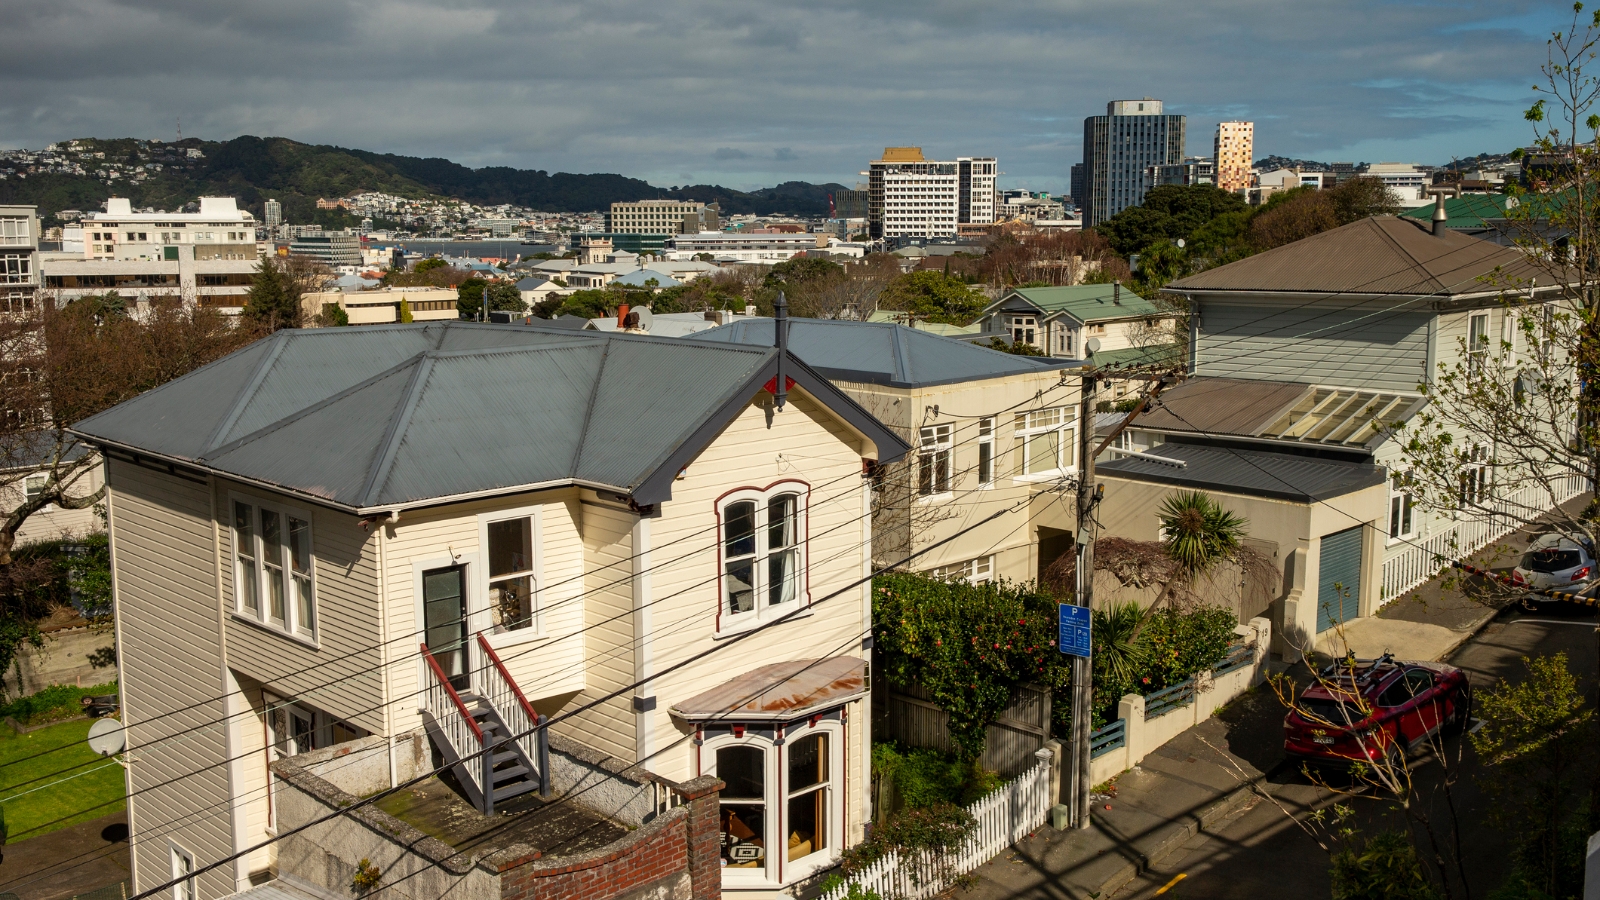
[{"x": 1371, "y": 709}]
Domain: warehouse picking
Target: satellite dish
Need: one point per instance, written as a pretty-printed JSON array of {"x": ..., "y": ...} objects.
[
  {"x": 1180, "y": 243},
  {"x": 1091, "y": 346},
  {"x": 645, "y": 317},
  {"x": 106, "y": 737}
]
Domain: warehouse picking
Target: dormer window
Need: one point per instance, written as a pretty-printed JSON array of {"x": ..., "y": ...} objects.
[{"x": 763, "y": 554}]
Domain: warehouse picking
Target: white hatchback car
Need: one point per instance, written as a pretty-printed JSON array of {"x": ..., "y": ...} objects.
[{"x": 1554, "y": 562}]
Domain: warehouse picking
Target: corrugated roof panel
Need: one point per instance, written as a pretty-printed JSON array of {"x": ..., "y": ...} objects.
[
  {"x": 329, "y": 450},
  {"x": 178, "y": 418},
  {"x": 1223, "y": 405},
  {"x": 656, "y": 388},
  {"x": 489, "y": 420}
]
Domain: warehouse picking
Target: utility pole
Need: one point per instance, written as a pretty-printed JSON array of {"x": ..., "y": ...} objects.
[{"x": 1083, "y": 595}]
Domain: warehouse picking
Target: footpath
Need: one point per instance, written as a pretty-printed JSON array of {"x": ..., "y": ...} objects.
[{"x": 1206, "y": 776}]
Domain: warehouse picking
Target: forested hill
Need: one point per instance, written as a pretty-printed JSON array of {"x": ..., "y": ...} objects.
[{"x": 252, "y": 169}]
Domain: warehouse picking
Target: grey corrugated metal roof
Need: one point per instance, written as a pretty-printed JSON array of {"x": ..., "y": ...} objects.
[
  {"x": 387, "y": 416},
  {"x": 1283, "y": 476},
  {"x": 884, "y": 353},
  {"x": 1377, "y": 255}
]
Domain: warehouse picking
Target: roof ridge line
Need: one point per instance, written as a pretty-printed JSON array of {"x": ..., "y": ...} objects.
[
  {"x": 237, "y": 442},
  {"x": 902, "y": 360},
  {"x": 588, "y": 409},
  {"x": 390, "y": 445},
  {"x": 250, "y": 389},
  {"x": 1429, "y": 279}
]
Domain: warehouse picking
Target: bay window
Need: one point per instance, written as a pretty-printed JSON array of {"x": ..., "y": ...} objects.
[
  {"x": 782, "y": 812},
  {"x": 1042, "y": 442},
  {"x": 273, "y": 575},
  {"x": 763, "y": 565}
]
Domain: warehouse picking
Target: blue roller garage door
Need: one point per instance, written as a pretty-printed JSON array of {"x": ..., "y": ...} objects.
[{"x": 1339, "y": 578}]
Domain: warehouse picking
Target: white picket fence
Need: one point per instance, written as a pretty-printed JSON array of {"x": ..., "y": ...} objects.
[
  {"x": 1422, "y": 559},
  {"x": 1005, "y": 817}
]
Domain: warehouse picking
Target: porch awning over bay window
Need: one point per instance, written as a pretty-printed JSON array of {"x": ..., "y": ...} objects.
[{"x": 779, "y": 692}]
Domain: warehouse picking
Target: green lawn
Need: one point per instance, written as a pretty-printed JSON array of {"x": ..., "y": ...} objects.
[{"x": 72, "y": 796}]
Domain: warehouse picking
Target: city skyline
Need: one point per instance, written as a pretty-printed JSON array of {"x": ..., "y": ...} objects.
[{"x": 752, "y": 98}]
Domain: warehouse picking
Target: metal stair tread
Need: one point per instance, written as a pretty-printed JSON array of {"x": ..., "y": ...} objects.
[
  {"x": 504, "y": 775},
  {"x": 516, "y": 789}
]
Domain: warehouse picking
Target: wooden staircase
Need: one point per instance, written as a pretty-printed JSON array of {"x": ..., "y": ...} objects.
[
  {"x": 487, "y": 747},
  {"x": 511, "y": 773}
]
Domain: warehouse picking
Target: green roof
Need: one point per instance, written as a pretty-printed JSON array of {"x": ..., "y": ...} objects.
[
  {"x": 1469, "y": 211},
  {"x": 1088, "y": 302}
]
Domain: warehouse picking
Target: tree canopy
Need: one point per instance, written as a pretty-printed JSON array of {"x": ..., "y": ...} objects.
[
  {"x": 934, "y": 297},
  {"x": 503, "y": 297}
]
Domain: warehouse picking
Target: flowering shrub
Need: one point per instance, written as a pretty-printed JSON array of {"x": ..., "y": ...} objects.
[{"x": 968, "y": 645}]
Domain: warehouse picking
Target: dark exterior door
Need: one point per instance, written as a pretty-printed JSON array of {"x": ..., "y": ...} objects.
[
  {"x": 1339, "y": 578},
  {"x": 444, "y": 615}
]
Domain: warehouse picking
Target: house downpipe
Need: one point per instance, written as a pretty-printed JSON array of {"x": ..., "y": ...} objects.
[{"x": 780, "y": 339}]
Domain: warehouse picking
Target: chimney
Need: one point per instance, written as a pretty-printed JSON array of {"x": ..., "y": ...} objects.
[
  {"x": 780, "y": 334},
  {"x": 1116, "y": 292},
  {"x": 750, "y": 309},
  {"x": 622, "y": 316},
  {"x": 1438, "y": 214}
]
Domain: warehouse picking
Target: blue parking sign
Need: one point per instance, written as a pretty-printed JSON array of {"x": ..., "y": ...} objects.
[{"x": 1074, "y": 630}]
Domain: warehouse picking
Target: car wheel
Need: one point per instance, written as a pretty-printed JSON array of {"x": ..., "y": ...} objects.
[
  {"x": 1463, "y": 711},
  {"x": 1394, "y": 762}
]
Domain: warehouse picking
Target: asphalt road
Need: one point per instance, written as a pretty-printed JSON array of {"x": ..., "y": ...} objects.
[{"x": 1263, "y": 852}]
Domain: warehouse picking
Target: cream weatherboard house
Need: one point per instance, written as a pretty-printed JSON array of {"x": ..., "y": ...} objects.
[{"x": 347, "y": 535}]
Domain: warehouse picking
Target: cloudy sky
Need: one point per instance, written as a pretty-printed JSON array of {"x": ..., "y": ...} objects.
[{"x": 756, "y": 92}]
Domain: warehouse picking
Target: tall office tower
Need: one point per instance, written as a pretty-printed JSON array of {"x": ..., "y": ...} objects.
[
  {"x": 1234, "y": 154},
  {"x": 274, "y": 213},
  {"x": 1117, "y": 148},
  {"x": 1077, "y": 185},
  {"x": 910, "y": 196}
]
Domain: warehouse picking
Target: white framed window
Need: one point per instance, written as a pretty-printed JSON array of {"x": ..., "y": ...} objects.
[
  {"x": 274, "y": 575},
  {"x": 14, "y": 229},
  {"x": 1042, "y": 442},
  {"x": 986, "y": 451},
  {"x": 16, "y": 268},
  {"x": 782, "y": 812},
  {"x": 1023, "y": 329},
  {"x": 1477, "y": 342},
  {"x": 511, "y": 579},
  {"x": 1474, "y": 478},
  {"x": 182, "y": 867},
  {"x": 973, "y": 570},
  {"x": 1402, "y": 507},
  {"x": 933, "y": 460},
  {"x": 33, "y": 485},
  {"x": 763, "y": 553}
]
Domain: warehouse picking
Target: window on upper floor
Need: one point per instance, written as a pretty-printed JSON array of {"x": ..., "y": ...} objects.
[
  {"x": 512, "y": 587},
  {"x": 1023, "y": 329},
  {"x": 274, "y": 579},
  {"x": 182, "y": 873},
  {"x": 986, "y": 450},
  {"x": 1477, "y": 342},
  {"x": 1475, "y": 477},
  {"x": 933, "y": 460},
  {"x": 763, "y": 554},
  {"x": 33, "y": 486},
  {"x": 1042, "y": 442}
]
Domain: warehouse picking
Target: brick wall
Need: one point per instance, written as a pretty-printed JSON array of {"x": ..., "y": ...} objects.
[{"x": 673, "y": 857}]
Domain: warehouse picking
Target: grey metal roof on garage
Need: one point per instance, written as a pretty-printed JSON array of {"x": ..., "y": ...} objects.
[
  {"x": 884, "y": 352},
  {"x": 387, "y": 416},
  {"x": 1259, "y": 473}
]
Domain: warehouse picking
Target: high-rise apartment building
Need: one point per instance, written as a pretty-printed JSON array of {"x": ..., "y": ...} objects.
[
  {"x": 1117, "y": 149},
  {"x": 911, "y": 196},
  {"x": 662, "y": 217},
  {"x": 19, "y": 252},
  {"x": 1077, "y": 185},
  {"x": 1193, "y": 170},
  {"x": 1234, "y": 154},
  {"x": 274, "y": 214}
]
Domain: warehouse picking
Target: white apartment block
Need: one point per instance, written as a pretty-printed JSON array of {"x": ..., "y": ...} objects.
[
  {"x": 661, "y": 217},
  {"x": 1408, "y": 183},
  {"x": 207, "y": 257},
  {"x": 19, "y": 252},
  {"x": 1234, "y": 147},
  {"x": 911, "y": 196},
  {"x": 744, "y": 246}
]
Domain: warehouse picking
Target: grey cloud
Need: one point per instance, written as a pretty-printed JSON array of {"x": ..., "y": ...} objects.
[{"x": 653, "y": 90}]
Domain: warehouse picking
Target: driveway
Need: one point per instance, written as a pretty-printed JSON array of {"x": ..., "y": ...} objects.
[
  {"x": 71, "y": 861},
  {"x": 1263, "y": 851}
]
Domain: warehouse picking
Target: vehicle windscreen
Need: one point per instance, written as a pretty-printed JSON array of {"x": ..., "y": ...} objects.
[
  {"x": 1550, "y": 560},
  {"x": 1335, "y": 713}
]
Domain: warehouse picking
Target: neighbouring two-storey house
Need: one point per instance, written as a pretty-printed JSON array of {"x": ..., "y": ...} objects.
[
  {"x": 1061, "y": 321},
  {"x": 992, "y": 431},
  {"x": 1306, "y": 361},
  {"x": 335, "y": 541}
]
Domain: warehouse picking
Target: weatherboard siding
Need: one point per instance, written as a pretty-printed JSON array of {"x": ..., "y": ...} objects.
[
  {"x": 170, "y": 659},
  {"x": 607, "y": 642},
  {"x": 341, "y": 672},
  {"x": 804, "y": 442},
  {"x": 1331, "y": 343}
]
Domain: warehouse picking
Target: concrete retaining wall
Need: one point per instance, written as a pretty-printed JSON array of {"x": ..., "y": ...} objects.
[
  {"x": 1145, "y": 735},
  {"x": 64, "y": 659}
]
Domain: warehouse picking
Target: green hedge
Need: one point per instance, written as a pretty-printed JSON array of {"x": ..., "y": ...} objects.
[{"x": 55, "y": 702}]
